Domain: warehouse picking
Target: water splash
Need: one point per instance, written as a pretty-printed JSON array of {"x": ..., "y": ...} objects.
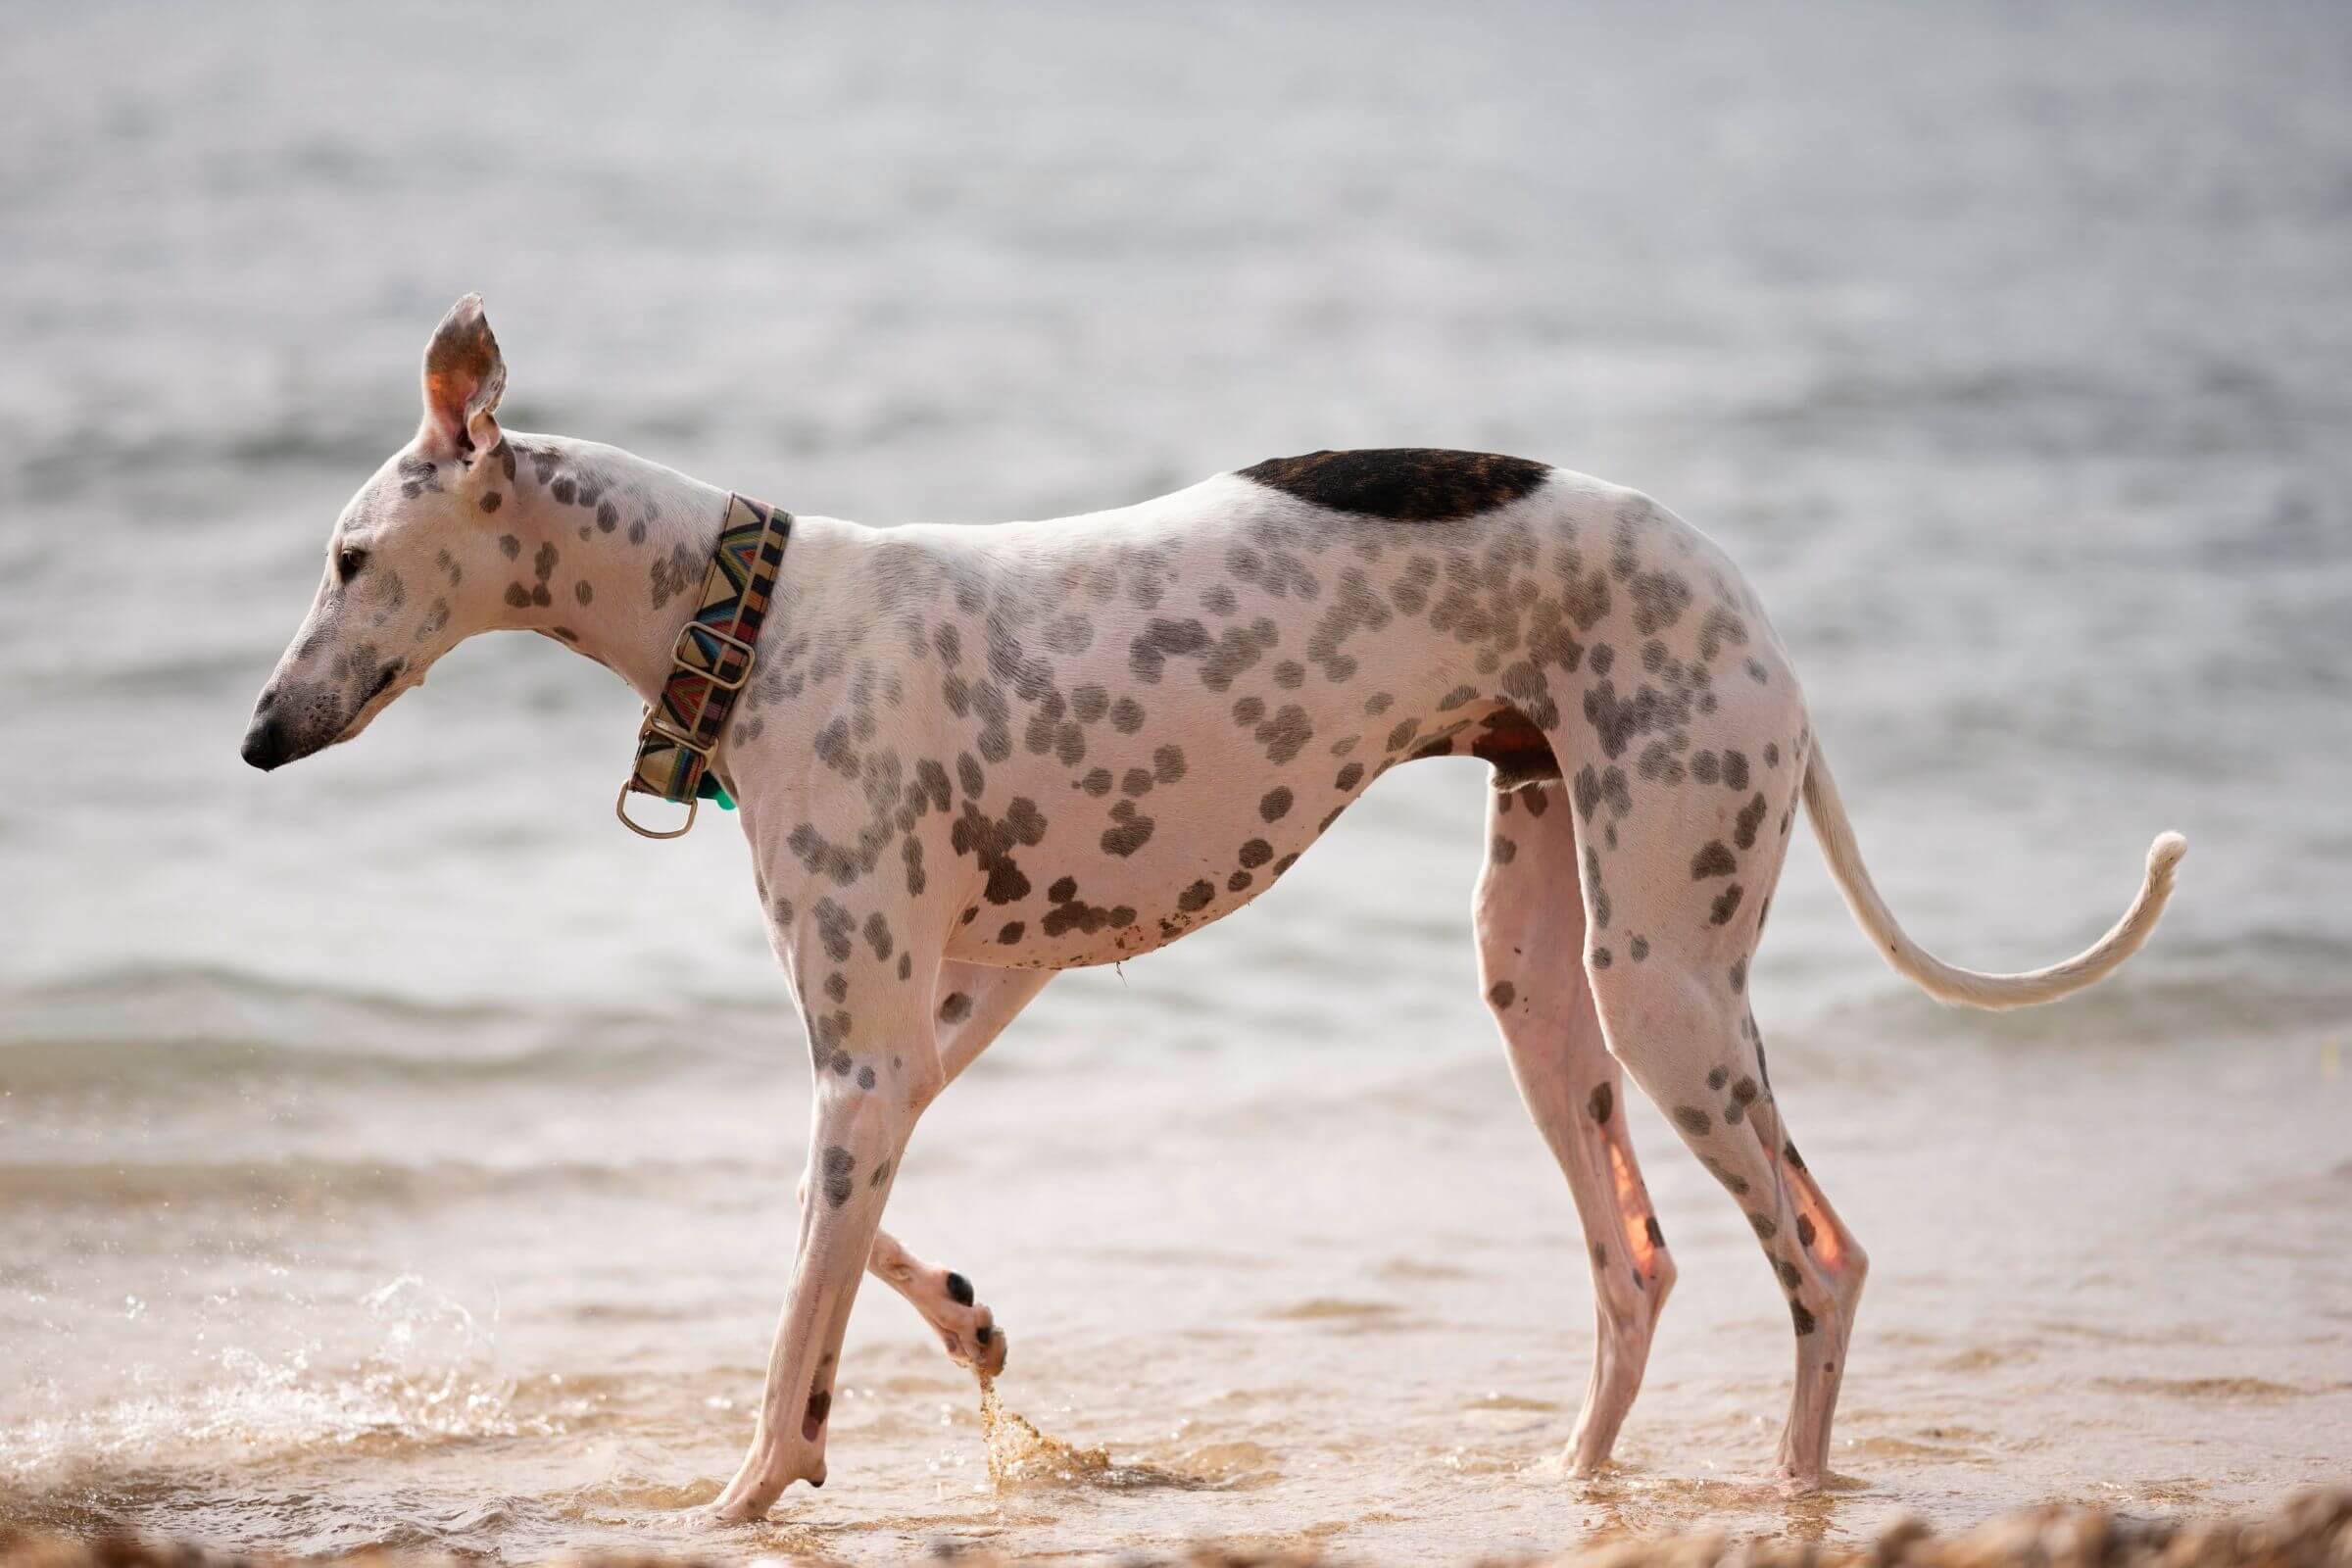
[
  {"x": 1020, "y": 1455},
  {"x": 430, "y": 1373}
]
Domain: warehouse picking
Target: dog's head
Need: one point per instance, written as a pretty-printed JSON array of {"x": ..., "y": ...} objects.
[{"x": 410, "y": 564}]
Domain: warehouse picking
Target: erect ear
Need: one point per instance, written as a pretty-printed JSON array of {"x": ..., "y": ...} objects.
[{"x": 463, "y": 377}]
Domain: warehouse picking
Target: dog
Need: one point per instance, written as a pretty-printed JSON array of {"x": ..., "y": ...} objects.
[{"x": 967, "y": 758}]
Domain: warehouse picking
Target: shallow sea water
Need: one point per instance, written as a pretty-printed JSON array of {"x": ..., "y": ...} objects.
[{"x": 392, "y": 1151}]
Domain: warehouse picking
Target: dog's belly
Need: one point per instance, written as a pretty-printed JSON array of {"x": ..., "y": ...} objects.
[
  {"x": 1136, "y": 849},
  {"x": 1177, "y": 860}
]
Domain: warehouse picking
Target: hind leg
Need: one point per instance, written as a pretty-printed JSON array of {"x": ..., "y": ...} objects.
[
  {"x": 1531, "y": 929},
  {"x": 1715, "y": 1089},
  {"x": 1678, "y": 870},
  {"x": 1829, "y": 1261}
]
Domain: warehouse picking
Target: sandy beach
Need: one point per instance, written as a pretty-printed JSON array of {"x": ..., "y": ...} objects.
[{"x": 2312, "y": 1530}]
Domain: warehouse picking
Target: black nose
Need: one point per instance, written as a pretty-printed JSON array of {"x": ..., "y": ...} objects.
[{"x": 264, "y": 743}]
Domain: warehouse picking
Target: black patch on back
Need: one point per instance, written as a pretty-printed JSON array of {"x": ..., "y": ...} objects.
[{"x": 1403, "y": 484}]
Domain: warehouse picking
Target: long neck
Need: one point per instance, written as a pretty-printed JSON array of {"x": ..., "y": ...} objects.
[{"x": 633, "y": 540}]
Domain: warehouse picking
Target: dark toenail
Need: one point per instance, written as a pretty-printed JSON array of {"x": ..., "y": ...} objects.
[
  {"x": 984, "y": 1334},
  {"x": 959, "y": 1290}
]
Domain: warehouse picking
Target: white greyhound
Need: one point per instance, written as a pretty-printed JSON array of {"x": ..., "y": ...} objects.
[{"x": 970, "y": 757}]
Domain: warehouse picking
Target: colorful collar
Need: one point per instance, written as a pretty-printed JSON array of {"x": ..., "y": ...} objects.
[{"x": 709, "y": 662}]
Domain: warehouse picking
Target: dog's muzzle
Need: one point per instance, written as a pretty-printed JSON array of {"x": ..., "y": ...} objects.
[{"x": 287, "y": 729}]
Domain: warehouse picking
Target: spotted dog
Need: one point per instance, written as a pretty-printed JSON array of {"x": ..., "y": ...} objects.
[{"x": 972, "y": 756}]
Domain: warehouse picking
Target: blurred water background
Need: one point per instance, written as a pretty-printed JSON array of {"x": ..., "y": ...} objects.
[{"x": 395, "y": 1150}]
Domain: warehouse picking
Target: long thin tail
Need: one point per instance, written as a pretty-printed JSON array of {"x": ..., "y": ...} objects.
[{"x": 1941, "y": 980}]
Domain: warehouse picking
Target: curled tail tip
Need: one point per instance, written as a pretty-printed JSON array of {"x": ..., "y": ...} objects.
[{"x": 2164, "y": 854}]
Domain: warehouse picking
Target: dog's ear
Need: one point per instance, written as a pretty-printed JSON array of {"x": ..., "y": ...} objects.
[{"x": 463, "y": 377}]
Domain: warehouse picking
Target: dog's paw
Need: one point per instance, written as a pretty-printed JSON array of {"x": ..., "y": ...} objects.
[
  {"x": 763, "y": 1479},
  {"x": 1795, "y": 1484},
  {"x": 993, "y": 1350},
  {"x": 964, "y": 1325},
  {"x": 723, "y": 1514},
  {"x": 978, "y": 1346}
]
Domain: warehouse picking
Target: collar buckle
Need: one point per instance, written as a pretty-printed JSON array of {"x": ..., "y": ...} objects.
[
  {"x": 727, "y": 643},
  {"x": 654, "y": 725}
]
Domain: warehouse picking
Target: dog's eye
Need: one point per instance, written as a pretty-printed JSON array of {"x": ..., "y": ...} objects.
[{"x": 347, "y": 562}]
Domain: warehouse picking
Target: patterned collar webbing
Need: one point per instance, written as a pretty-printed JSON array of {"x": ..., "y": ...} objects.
[{"x": 711, "y": 661}]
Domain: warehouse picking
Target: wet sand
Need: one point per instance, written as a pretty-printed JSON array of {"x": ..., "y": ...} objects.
[{"x": 2312, "y": 1530}]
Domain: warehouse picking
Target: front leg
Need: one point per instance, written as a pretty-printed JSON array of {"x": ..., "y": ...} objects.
[
  {"x": 877, "y": 1066},
  {"x": 974, "y": 1004}
]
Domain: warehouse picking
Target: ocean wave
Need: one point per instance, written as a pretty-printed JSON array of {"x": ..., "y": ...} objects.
[
  {"x": 175, "y": 674},
  {"x": 2042, "y": 408},
  {"x": 2190, "y": 1004},
  {"x": 57, "y": 1063},
  {"x": 167, "y": 1030},
  {"x": 302, "y": 1183},
  {"x": 95, "y": 456}
]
